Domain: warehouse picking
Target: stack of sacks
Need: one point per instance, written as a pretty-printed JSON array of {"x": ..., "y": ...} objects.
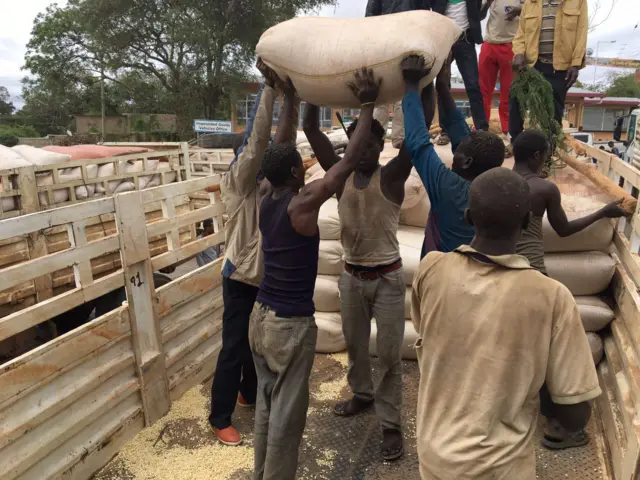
[
  {"x": 24, "y": 156},
  {"x": 583, "y": 264},
  {"x": 413, "y": 219}
]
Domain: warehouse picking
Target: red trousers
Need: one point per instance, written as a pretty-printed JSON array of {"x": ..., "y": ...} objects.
[{"x": 493, "y": 59}]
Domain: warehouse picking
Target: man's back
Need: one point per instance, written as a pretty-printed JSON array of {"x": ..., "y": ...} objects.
[{"x": 491, "y": 334}]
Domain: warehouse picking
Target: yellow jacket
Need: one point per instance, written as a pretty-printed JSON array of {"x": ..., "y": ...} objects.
[
  {"x": 570, "y": 36},
  {"x": 239, "y": 192}
]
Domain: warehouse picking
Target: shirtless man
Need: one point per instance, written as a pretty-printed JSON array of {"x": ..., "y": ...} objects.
[
  {"x": 372, "y": 282},
  {"x": 531, "y": 150},
  {"x": 282, "y": 331}
]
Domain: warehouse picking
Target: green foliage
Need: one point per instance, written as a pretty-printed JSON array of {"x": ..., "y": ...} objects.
[
  {"x": 6, "y": 106},
  {"x": 157, "y": 56},
  {"x": 9, "y": 134},
  {"x": 535, "y": 96},
  {"x": 624, "y": 86}
]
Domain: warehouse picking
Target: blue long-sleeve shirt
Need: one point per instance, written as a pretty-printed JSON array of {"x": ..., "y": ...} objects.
[{"x": 448, "y": 192}]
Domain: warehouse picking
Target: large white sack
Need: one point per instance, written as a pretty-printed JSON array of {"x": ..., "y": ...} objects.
[
  {"x": 326, "y": 295},
  {"x": 107, "y": 170},
  {"x": 138, "y": 166},
  {"x": 37, "y": 156},
  {"x": 596, "y": 346},
  {"x": 125, "y": 187},
  {"x": 414, "y": 191},
  {"x": 583, "y": 273},
  {"x": 321, "y": 55},
  {"x": 410, "y": 239},
  {"x": 11, "y": 159},
  {"x": 596, "y": 237},
  {"x": 418, "y": 215},
  {"x": 59, "y": 196},
  {"x": 75, "y": 173},
  {"x": 330, "y": 258},
  {"x": 594, "y": 313},
  {"x": 329, "y": 220},
  {"x": 408, "y": 342},
  {"x": 330, "y": 336}
]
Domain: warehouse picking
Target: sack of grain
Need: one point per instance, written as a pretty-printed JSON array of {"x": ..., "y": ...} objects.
[
  {"x": 108, "y": 170},
  {"x": 326, "y": 295},
  {"x": 596, "y": 346},
  {"x": 410, "y": 239},
  {"x": 330, "y": 336},
  {"x": 329, "y": 220},
  {"x": 82, "y": 152},
  {"x": 59, "y": 196},
  {"x": 595, "y": 313},
  {"x": 37, "y": 156},
  {"x": 407, "y": 303},
  {"x": 138, "y": 166},
  {"x": 11, "y": 159},
  {"x": 169, "y": 177},
  {"x": 330, "y": 259},
  {"x": 583, "y": 273},
  {"x": 125, "y": 187},
  {"x": 418, "y": 215},
  {"x": 596, "y": 237},
  {"x": 408, "y": 342},
  {"x": 316, "y": 176},
  {"x": 321, "y": 55},
  {"x": 414, "y": 191}
]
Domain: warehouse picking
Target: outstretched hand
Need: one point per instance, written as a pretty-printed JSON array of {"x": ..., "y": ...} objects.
[
  {"x": 365, "y": 87},
  {"x": 414, "y": 70},
  {"x": 271, "y": 78},
  {"x": 614, "y": 210},
  {"x": 572, "y": 76}
]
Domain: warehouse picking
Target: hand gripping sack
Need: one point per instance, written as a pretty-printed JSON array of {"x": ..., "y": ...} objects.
[{"x": 321, "y": 55}]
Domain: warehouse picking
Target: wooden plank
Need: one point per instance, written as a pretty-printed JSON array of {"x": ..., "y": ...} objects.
[
  {"x": 181, "y": 318},
  {"x": 191, "y": 249},
  {"x": 184, "y": 220},
  {"x": 147, "y": 342},
  {"x": 198, "y": 366},
  {"x": 44, "y": 364},
  {"x": 187, "y": 341},
  {"x": 629, "y": 359},
  {"x": 17, "y": 274},
  {"x": 169, "y": 212},
  {"x": 623, "y": 391},
  {"x": 156, "y": 194},
  {"x": 43, "y": 439},
  {"x": 54, "y": 397},
  {"x": 78, "y": 238},
  {"x": 615, "y": 436},
  {"x": 25, "y": 224},
  {"x": 630, "y": 260}
]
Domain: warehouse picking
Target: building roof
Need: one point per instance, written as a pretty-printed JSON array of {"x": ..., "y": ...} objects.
[
  {"x": 458, "y": 87},
  {"x": 625, "y": 101}
]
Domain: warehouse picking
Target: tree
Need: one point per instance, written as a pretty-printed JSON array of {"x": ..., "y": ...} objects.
[
  {"x": 194, "y": 51},
  {"x": 6, "y": 106},
  {"x": 624, "y": 86}
]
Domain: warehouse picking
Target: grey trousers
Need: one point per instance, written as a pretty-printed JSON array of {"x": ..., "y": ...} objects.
[
  {"x": 381, "y": 114},
  {"x": 382, "y": 299},
  {"x": 283, "y": 352}
]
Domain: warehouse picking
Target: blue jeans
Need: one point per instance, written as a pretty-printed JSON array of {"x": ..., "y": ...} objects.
[{"x": 464, "y": 53}]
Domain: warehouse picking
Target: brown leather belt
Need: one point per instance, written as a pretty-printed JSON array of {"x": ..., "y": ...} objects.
[{"x": 373, "y": 274}]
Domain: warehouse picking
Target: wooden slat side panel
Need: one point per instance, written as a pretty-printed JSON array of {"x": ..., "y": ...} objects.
[
  {"x": 611, "y": 418},
  {"x": 190, "y": 339},
  {"x": 185, "y": 316}
]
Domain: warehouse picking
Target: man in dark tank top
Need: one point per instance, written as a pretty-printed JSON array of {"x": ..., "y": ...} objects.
[
  {"x": 282, "y": 329},
  {"x": 531, "y": 151}
]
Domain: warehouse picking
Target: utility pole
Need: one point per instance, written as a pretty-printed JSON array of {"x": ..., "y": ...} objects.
[{"x": 102, "y": 100}]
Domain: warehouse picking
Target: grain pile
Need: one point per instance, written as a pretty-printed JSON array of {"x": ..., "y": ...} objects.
[{"x": 152, "y": 454}]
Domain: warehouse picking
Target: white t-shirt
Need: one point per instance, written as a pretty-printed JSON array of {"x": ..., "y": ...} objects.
[{"x": 457, "y": 11}]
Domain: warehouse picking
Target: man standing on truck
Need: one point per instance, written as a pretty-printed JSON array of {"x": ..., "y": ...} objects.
[
  {"x": 531, "y": 151},
  {"x": 372, "y": 282},
  {"x": 473, "y": 154},
  {"x": 283, "y": 332},
  {"x": 381, "y": 113},
  {"x": 552, "y": 38},
  {"x": 496, "y": 54},
  {"x": 492, "y": 330},
  {"x": 235, "y": 378}
]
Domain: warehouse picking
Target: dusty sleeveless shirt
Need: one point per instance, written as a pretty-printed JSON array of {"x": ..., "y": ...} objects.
[{"x": 369, "y": 223}]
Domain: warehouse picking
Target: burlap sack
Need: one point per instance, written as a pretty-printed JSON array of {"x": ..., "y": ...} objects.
[
  {"x": 326, "y": 296},
  {"x": 583, "y": 273},
  {"x": 329, "y": 220},
  {"x": 37, "y": 156},
  {"x": 410, "y": 239},
  {"x": 410, "y": 338},
  {"x": 594, "y": 313},
  {"x": 320, "y": 55},
  {"x": 330, "y": 258},
  {"x": 330, "y": 336},
  {"x": 11, "y": 159},
  {"x": 596, "y": 346},
  {"x": 596, "y": 237},
  {"x": 418, "y": 215}
]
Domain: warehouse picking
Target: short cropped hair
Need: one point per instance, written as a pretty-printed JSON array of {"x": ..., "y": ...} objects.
[
  {"x": 528, "y": 144},
  {"x": 278, "y": 161},
  {"x": 376, "y": 128},
  {"x": 487, "y": 150},
  {"x": 499, "y": 200}
]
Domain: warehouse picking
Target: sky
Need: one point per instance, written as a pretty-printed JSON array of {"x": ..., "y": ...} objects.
[{"x": 17, "y": 20}]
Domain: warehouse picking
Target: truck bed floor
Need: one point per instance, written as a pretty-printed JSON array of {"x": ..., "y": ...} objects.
[{"x": 180, "y": 446}]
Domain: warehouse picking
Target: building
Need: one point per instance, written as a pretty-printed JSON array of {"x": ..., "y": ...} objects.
[{"x": 583, "y": 108}]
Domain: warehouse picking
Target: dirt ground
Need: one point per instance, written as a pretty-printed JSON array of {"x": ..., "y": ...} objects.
[{"x": 181, "y": 446}]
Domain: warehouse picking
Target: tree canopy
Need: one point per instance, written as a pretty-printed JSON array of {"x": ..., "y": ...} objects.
[
  {"x": 6, "y": 106},
  {"x": 624, "y": 86},
  {"x": 175, "y": 56}
]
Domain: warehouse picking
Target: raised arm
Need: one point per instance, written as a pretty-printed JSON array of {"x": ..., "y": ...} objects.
[
  {"x": 561, "y": 224},
  {"x": 319, "y": 142},
  {"x": 241, "y": 177},
  {"x": 287, "y": 124},
  {"x": 452, "y": 120},
  {"x": 304, "y": 208}
]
